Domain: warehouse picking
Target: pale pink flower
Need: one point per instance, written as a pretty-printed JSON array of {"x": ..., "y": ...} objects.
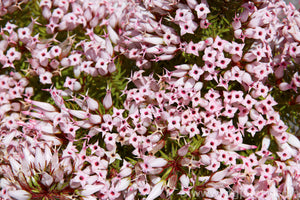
[
  {"x": 170, "y": 38},
  {"x": 202, "y": 10},
  {"x": 174, "y": 123},
  {"x": 75, "y": 59},
  {"x": 112, "y": 155},
  {"x": 213, "y": 166},
  {"x": 209, "y": 54},
  {"x": 248, "y": 190},
  {"x": 183, "y": 15},
  {"x": 45, "y": 78},
  {"x": 192, "y": 48},
  {"x": 185, "y": 188},
  {"x": 187, "y": 27},
  {"x": 13, "y": 55},
  {"x": 204, "y": 23},
  {"x": 236, "y": 49},
  {"x": 222, "y": 62}
]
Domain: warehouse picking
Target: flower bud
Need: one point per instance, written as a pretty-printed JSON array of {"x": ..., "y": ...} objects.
[
  {"x": 76, "y": 71},
  {"x": 198, "y": 86},
  {"x": 92, "y": 104},
  {"x": 91, "y": 189},
  {"x": 46, "y": 12},
  {"x": 266, "y": 142},
  {"x": 293, "y": 140},
  {"x": 183, "y": 150},
  {"x": 107, "y": 101},
  {"x": 125, "y": 172},
  {"x": 113, "y": 35},
  {"x": 156, "y": 191},
  {"x": 284, "y": 86},
  {"x": 46, "y": 180},
  {"x": 158, "y": 162},
  {"x": 122, "y": 184},
  {"x": 77, "y": 86},
  {"x": 19, "y": 194}
]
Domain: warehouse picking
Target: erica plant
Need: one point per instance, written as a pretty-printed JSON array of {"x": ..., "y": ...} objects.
[{"x": 149, "y": 99}]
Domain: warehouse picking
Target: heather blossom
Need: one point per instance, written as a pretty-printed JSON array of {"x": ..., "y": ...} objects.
[{"x": 149, "y": 99}]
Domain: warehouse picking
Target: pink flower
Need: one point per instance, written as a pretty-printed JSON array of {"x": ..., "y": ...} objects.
[
  {"x": 204, "y": 23},
  {"x": 192, "y": 48},
  {"x": 202, "y": 10},
  {"x": 248, "y": 190},
  {"x": 170, "y": 38},
  {"x": 214, "y": 165},
  {"x": 248, "y": 102},
  {"x": 185, "y": 188},
  {"x": 85, "y": 66},
  {"x": 45, "y": 78},
  {"x": 219, "y": 44},
  {"x": 75, "y": 59},
  {"x": 209, "y": 54},
  {"x": 236, "y": 24},
  {"x": 102, "y": 66},
  {"x": 13, "y": 55},
  {"x": 222, "y": 62},
  {"x": 192, "y": 129},
  {"x": 43, "y": 56},
  {"x": 72, "y": 84},
  {"x": 236, "y": 49},
  {"x": 174, "y": 123},
  {"x": 144, "y": 189},
  {"x": 110, "y": 141},
  {"x": 229, "y": 111},
  {"x": 24, "y": 34},
  {"x": 284, "y": 155},
  {"x": 183, "y": 15},
  {"x": 196, "y": 72},
  {"x": 81, "y": 178},
  {"x": 187, "y": 27}
]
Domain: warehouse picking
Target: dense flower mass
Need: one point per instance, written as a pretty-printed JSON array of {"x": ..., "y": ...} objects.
[{"x": 147, "y": 99}]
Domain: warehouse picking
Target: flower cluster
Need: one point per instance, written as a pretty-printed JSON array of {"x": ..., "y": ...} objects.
[{"x": 210, "y": 108}]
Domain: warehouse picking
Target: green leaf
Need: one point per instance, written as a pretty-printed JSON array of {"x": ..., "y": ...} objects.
[
  {"x": 174, "y": 150},
  {"x": 131, "y": 160},
  {"x": 165, "y": 156},
  {"x": 52, "y": 187},
  {"x": 227, "y": 22},
  {"x": 61, "y": 186},
  {"x": 166, "y": 174}
]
